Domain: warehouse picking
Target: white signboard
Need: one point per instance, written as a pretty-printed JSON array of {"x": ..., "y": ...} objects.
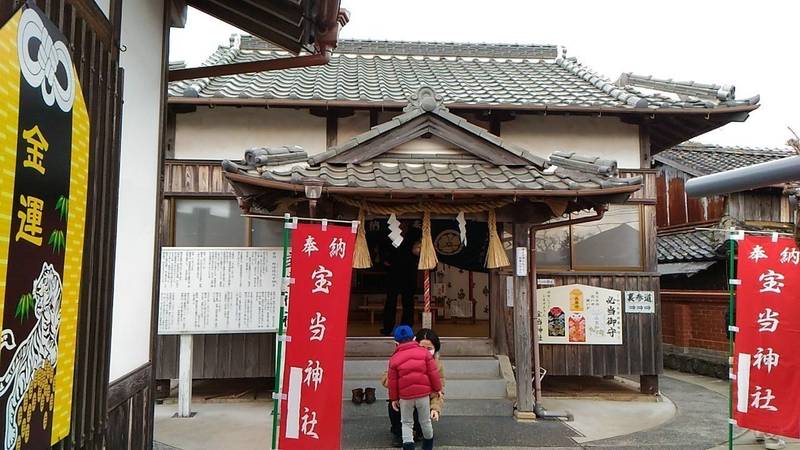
[
  {"x": 579, "y": 314},
  {"x": 641, "y": 302},
  {"x": 219, "y": 290},
  {"x": 522, "y": 262}
]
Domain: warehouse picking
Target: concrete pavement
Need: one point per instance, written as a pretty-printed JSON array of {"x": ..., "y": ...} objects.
[{"x": 691, "y": 415}]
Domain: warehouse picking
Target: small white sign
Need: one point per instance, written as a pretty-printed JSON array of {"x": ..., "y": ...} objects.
[
  {"x": 510, "y": 292},
  {"x": 546, "y": 281},
  {"x": 522, "y": 262},
  {"x": 641, "y": 302}
]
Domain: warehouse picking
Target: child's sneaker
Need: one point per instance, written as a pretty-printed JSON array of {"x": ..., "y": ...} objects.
[{"x": 774, "y": 443}]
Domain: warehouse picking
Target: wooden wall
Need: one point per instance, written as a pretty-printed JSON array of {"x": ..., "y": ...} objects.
[
  {"x": 215, "y": 355},
  {"x": 675, "y": 208},
  {"x": 640, "y": 353}
]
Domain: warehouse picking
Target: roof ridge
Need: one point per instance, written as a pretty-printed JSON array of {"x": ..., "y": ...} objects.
[
  {"x": 424, "y": 48},
  {"x": 600, "y": 82},
  {"x": 700, "y": 147}
]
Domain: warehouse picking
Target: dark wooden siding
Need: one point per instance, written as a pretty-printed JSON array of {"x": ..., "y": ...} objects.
[
  {"x": 676, "y": 208},
  {"x": 640, "y": 353},
  {"x": 215, "y": 355},
  {"x": 94, "y": 42}
]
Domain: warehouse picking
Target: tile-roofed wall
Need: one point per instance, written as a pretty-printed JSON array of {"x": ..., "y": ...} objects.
[
  {"x": 490, "y": 74},
  {"x": 704, "y": 159},
  {"x": 694, "y": 245}
]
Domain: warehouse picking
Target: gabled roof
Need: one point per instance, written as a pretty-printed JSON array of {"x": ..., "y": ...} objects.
[
  {"x": 487, "y": 166},
  {"x": 424, "y": 115},
  {"x": 488, "y": 74},
  {"x": 703, "y": 159}
]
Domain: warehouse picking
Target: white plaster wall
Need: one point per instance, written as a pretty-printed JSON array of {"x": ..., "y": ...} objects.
[
  {"x": 136, "y": 233},
  {"x": 225, "y": 133},
  {"x": 352, "y": 126},
  {"x": 105, "y": 6},
  {"x": 601, "y": 136}
]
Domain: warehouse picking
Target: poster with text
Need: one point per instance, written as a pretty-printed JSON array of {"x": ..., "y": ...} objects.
[
  {"x": 579, "y": 314},
  {"x": 219, "y": 290},
  {"x": 321, "y": 267},
  {"x": 44, "y": 159},
  {"x": 766, "y": 360}
]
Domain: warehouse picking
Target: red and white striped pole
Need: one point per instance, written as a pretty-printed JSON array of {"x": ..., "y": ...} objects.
[{"x": 427, "y": 320}]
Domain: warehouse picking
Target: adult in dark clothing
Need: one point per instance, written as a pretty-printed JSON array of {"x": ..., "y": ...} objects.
[{"x": 401, "y": 280}]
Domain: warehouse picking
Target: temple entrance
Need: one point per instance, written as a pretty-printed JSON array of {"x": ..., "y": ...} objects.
[{"x": 459, "y": 286}]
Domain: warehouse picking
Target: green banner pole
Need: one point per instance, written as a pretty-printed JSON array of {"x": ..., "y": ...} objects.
[
  {"x": 276, "y": 397},
  {"x": 731, "y": 322}
]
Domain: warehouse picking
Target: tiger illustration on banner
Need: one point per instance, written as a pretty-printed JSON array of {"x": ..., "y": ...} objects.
[{"x": 34, "y": 361}]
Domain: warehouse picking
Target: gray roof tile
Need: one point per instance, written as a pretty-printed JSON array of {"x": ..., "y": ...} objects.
[
  {"x": 701, "y": 159},
  {"x": 691, "y": 245},
  {"x": 463, "y": 73}
]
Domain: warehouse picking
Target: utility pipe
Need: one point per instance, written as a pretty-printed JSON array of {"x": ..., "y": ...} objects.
[
  {"x": 745, "y": 178},
  {"x": 538, "y": 408}
]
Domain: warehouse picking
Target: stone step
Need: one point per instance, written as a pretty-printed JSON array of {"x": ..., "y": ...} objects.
[
  {"x": 452, "y": 408},
  {"x": 451, "y": 347},
  {"x": 480, "y": 367},
  {"x": 456, "y": 389}
]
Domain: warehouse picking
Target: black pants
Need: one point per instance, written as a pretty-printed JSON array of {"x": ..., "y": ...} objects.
[
  {"x": 390, "y": 307},
  {"x": 394, "y": 419}
]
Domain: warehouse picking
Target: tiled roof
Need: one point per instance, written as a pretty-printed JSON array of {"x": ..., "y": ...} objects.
[
  {"x": 432, "y": 175},
  {"x": 701, "y": 159},
  {"x": 491, "y": 74},
  {"x": 692, "y": 245}
]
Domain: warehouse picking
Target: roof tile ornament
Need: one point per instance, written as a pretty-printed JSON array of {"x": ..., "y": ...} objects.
[{"x": 425, "y": 99}]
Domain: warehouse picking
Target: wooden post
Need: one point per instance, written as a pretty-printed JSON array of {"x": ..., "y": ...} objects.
[
  {"x": 522, "y": 323},
  {"x": 648, "y": 384},
  {"x": 185, "y": 377}
]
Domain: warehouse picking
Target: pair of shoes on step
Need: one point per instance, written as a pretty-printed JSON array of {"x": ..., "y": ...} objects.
[
  {"x": 427, "y": 444},
  {"x": 366, "y": 395},
  {"x": 770, "y": 441}
]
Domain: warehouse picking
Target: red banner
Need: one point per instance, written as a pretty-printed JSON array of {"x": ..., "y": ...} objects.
[
  {"x": 311, "y": 414},
  {"x": 766, "y": 360}
]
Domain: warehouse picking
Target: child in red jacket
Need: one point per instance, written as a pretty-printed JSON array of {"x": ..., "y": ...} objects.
[{"x": 413, "y": 377}]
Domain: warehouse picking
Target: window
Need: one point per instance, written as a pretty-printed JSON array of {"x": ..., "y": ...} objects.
[
  {"x": 209, "y": 223},
  {"x": 267, "y": 233},
  {"x": 613, "y": 242},
  {"x": 552, "y": 248}
]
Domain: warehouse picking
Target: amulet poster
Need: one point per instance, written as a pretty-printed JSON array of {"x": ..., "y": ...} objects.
[{"x": 44, "y": 158}]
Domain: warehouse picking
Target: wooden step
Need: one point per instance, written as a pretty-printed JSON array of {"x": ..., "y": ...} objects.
[{"x": 451, "y": 347}]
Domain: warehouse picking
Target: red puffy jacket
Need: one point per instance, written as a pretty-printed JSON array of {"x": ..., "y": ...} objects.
[{"x": 412, "y": 372}]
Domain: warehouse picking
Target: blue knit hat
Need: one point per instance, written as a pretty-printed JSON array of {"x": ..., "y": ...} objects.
[{"x": 403, "y": 333}]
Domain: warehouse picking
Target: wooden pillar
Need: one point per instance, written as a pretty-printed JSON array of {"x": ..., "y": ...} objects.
[
  {"x": 648, "y": 384},
  {"x": 185, "y": 377},
  {"x": 522, "y": 323}
]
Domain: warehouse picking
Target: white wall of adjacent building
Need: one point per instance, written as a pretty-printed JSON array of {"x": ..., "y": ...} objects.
[
  {"x": 225, "y": 132},
  {"x": 142, "y": 34}
]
